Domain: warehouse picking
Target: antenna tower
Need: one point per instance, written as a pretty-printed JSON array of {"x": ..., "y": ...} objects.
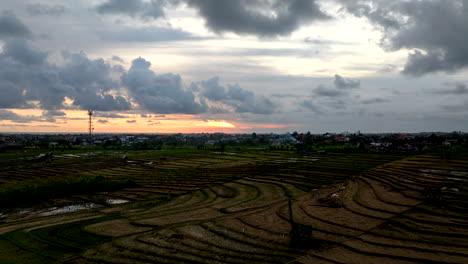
[{"x": 90, "y": 122}]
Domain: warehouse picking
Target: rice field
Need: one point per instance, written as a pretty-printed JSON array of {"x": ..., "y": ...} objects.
[{"x": 210, "y": 207}]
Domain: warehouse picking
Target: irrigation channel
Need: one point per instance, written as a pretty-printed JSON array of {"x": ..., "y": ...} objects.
[{"x": 214, "y": 207}]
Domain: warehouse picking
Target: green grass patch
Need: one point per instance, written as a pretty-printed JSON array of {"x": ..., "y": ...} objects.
[
  {"x": 47, "y": 245},
  {"x": 24, "y": 193}
]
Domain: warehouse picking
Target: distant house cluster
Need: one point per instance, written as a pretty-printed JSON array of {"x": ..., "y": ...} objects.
[{"x": 301, "y": 141}]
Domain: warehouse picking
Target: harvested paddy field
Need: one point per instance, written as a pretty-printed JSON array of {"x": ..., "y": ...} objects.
[{"x": 214, "y": 207}]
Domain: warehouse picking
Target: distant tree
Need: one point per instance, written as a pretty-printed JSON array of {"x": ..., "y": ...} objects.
[{"x": 294, "y": 134}]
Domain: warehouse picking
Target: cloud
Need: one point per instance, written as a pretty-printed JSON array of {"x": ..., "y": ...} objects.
[
  {"x": 26, "y": 75},
  {"x": 108, "y": 115},
  {"x": 387, "y": 68},
  {"x": 435, "y": 31},
  {"x": 38, "y": 9},
  {"x": 320, "y": 41},
  {"x": 20, "y": 51},
  {"x": 134, "y": 8},
  {"x": 328, "y": 92},
  {"x": 159, "y": 93},
  {"x": 460, "y": 89},
  {"x": 117, "y": 59},
  {"x": 374, "y": 101},
  {"x": 11, "y": 26},
  {"x": 14, "y": 117},
  {"x": 8, "y": 115},
  {"x": 242, "y": 101},
  {"x": 458, "y": 108},
  {"x": 131, "y": 121},
  {"x": 146, "y": 34},
  {"x": 90, "y": 82},
  {"x": 102, "y": 121},
  {"x": 310, "y": 106},
  {"x": 258, "y": 17},
  {"x": 343, "y": 83},
  {"x": 53, "y": 113}
]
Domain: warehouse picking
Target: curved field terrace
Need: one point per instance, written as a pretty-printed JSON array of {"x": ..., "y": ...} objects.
[{"x": 216, "y": 207}]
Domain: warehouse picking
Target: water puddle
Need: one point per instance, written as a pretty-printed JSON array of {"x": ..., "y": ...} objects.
[
  {"x": 67, "y": 209},
  {"x": 223, "y": 153},
  {"x": 116, "y": 201},
  {"x": 451, "y": 174}
]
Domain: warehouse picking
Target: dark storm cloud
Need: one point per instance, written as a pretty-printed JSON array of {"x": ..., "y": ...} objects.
[
  {"x": 11, "y": 26},
  {"x": 134, "y": 8},
  {"x": 38, "y": 9},
  {"x": 19, "y": 51},
  {"x": 258, "y": 17},
  {"x": 91, "y": 81},
  {"x": 242, "y": 101},
  {"x": 29, "y": 80},
  {"x": 159, "y": 93},
  {"x": 26, "y": 75},
  {"x": 343, "y": 83},
  {"x": 435, "y": 31}
]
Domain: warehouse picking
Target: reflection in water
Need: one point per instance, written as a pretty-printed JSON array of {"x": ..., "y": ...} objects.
[
  {"x": 68, "y": 209},
  {"x": 116, "y": 201}
]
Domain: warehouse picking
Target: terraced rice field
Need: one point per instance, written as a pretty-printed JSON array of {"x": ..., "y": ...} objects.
[{"x": 233, "y": 208}]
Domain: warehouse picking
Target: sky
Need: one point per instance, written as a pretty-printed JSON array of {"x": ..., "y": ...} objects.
[{"x": 234, "y": 66}]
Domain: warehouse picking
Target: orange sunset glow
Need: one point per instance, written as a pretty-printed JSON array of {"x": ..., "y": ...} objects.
[{"x": 76, "y": 121}]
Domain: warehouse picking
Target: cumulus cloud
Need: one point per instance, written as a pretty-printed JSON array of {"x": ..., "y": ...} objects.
[
  {"x": 39, "y": 9},
  {"x": 26, "y": 75},
  {"x": 255, "y": 17},
  {"x": 258, "y": 17},
  {"x": 334, "y": 96},
  {"x": 20, "y": 51},
  {"x": 435, "y": 31},
  {"x": 117, "y": 59},
  {"x": 343, "y": 83},
  {"x": 242, "y": 101},
  {"x": 11, "y": 26},
  {"x": 159, "y": 93},
  {"x": 29, "y": 80}
]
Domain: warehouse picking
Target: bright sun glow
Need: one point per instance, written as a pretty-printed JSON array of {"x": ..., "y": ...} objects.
[{"x": 219, "y": 124}]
